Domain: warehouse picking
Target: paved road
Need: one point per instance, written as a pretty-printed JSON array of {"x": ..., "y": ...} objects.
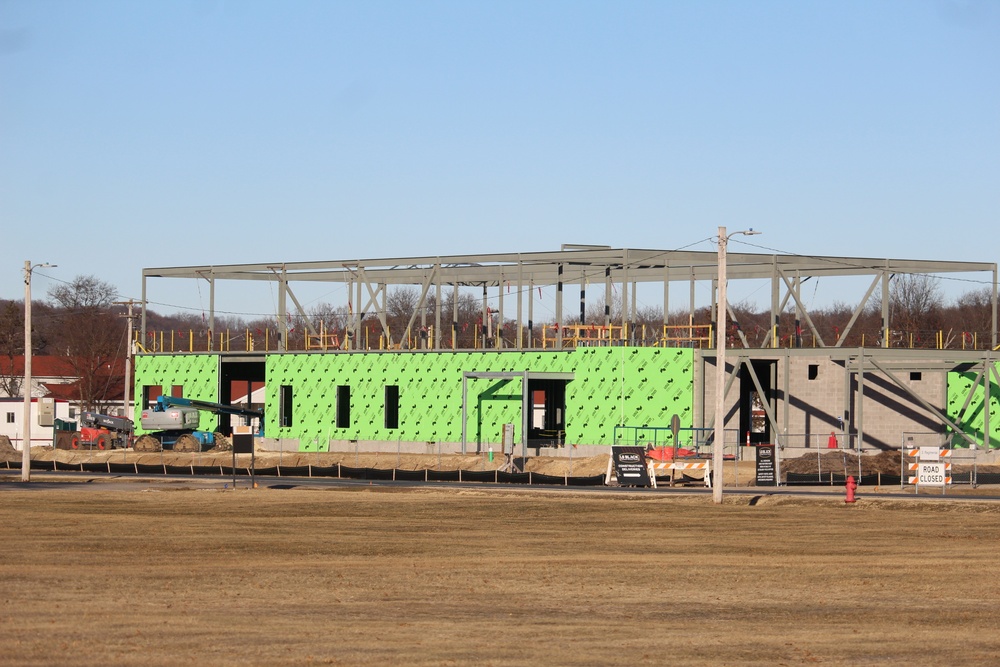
[{"x": 10, "y": 480}]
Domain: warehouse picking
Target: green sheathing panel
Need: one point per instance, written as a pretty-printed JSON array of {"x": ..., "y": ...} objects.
[
  {"x": 640, "y": 386},
  {"x": 959, "y": 385},
  {"x": 631, "y": 386},
  {"x": 430, "y": 396},
  {"x": 198, "y": 374}
]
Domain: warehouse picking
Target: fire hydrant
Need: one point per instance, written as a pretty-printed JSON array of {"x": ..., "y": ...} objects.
[{"x": 851, "y": 485}]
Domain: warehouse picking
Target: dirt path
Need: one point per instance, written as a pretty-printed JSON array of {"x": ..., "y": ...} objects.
[{"x": 492, "y": 577}]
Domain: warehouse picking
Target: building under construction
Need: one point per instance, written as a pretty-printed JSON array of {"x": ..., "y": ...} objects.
[{"x": 576, "y": 380}]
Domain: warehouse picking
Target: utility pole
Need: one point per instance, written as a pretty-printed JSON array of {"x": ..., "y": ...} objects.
[
  {"x": 718, "y": 455},
  {"x": 130, "y": 317},
  {"x": 26, "y": 440}
]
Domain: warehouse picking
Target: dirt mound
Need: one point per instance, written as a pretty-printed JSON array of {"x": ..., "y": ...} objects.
[
  {"x": 5, "y": 446},
  {"x": 886, "y": 463},
  {"x": 221, "y": 455},
  {"x": 222, "y": 443}
]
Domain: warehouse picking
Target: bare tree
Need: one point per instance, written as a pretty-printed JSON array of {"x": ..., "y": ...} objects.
[
  {"x": 596, "y": 314},
  {"x": 915, "y": 305},
  {"x": 331, "y": 321},
  {"x": 400, "y": 303},
  {"x": 84, "y": 292},
  {"x": 648, "y": 324},
  {"x": 752, "y": 325},
  {"x": 914, "y": 300},
  {"x": 12, "y": 340},
  {"x": 11, "y": 345},
  {"x": 467, "y": 326},
  {"x": 974, "y": 317},
  {"x": 329, "y": 317},
  {"x": 91, "y": 336}
]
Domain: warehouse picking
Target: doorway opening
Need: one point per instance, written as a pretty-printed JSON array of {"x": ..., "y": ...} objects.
[{"x": 753, "y": 418}]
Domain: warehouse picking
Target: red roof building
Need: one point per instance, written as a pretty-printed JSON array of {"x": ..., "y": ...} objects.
[{"x": 58, "y": 378}]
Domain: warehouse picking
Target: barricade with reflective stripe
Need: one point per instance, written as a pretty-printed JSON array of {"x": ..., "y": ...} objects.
[{"x": 706, "y": 466}]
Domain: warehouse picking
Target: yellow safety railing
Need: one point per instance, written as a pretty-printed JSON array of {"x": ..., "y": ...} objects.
[
  {"x": 668, "y": 335},
  {"x": 573, "y": 335}
]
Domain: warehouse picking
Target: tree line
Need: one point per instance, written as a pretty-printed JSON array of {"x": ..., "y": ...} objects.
[{"x": 84, "y": 322}]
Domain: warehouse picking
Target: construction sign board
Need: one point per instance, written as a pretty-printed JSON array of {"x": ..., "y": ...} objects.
[
  {"x": 928, "y": 454},
  {"x": 932, "y": 474},
  {"x": 767, "y": 471},
  {"x": 629, "y": 464},
  {"x": 931, "y": 468}
]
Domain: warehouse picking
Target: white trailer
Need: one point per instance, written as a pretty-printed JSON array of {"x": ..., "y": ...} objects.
[{"x": 44, "y": 412}]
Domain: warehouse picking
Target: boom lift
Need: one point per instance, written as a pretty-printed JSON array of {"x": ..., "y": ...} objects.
[
  {"x": 98, "y": 431},
  {"x": 173, "y": 423}
]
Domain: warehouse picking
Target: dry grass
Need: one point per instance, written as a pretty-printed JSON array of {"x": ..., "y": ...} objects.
[{"x": 492, "y": 577}]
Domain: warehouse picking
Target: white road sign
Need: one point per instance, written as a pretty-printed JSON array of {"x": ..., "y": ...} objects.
[{"x": 932, "y": 474}]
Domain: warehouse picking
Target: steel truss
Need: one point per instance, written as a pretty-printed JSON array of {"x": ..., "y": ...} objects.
[{"x": 367, "y": 281}]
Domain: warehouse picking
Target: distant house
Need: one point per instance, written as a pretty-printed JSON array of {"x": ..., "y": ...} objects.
[
  {"x": 48, "y": 375},
  {"x": 56, "y": 386},
  {"x": 12, "y": 419},
  {"x": 57, "y": 378}
]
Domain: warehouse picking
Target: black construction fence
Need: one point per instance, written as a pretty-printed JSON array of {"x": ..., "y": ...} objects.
[
  {"x": 969, "y": 477},
  {"x": 839, "y": 479},
  {"x": 824, "y": 478},
  {"x": 334, "y": 471}
]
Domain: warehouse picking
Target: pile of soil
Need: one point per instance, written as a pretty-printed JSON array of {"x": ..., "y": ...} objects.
[
  {"x": 221, "y": 455},
  {"x": 886, "y": 463},
  {"x": 222, "y": 443},
  {"x": 5, "y": 446}
]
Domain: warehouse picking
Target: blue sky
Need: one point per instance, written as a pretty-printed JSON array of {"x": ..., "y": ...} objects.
[{"x": 142, "y": 134}]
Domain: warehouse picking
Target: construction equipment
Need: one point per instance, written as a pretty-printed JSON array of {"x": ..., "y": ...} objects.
[
  {"x": 173, "y": 423},
  {"x": 97, "y": 431}
]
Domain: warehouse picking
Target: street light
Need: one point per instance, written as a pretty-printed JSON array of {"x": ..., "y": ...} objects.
[
  {"x": 26, "y": 440},
  {"x": 720, "y": 367}
]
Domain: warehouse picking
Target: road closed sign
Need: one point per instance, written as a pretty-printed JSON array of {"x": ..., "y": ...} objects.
[{"x": 932, "y": 474}]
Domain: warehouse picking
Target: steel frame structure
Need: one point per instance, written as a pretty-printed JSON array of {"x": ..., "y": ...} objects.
[
  {"x": 369, "y": 279},
  {"x": 858, "y": 362}
]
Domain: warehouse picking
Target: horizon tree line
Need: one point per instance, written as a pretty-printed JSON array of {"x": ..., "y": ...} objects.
[{"x": 83, "y": 321}]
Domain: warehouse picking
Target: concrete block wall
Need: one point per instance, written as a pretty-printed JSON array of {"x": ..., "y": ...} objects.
[
  {"x": 816, "y": 389},
  {"x": 820, "y": 391},
  {"x": 887, "y": 411}
]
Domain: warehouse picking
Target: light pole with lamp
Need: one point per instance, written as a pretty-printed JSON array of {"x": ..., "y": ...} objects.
[
  {"x": 718, "y": 436},
  {"x": 26, "y": 440}
]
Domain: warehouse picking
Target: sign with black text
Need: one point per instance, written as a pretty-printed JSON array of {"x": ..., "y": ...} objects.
[
  {"x": 932, "y": 474},
  {"x": 630, "y": 466},
  {"x": 766, "y": 468}
]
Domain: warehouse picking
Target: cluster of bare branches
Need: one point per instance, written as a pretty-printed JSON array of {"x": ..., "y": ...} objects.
[
  {"x": 83, "y": 322},
  {"x": 78, "y": 323}
]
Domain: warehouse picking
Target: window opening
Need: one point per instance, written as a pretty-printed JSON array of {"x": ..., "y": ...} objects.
[
  {"x": 343, "y": 406},
  {"x": 285, "y": 406},
  {"x": 392, "y": 406}
]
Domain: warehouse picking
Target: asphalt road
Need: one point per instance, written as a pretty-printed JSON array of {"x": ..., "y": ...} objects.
[{"x": 10, "y": 480}]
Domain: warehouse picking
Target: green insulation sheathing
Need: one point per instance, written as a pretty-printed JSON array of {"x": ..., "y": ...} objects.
[
  {"x": 971, "y": 418},
  {"x": 197, "y": 376},
  {"x": 610, "y": 386}
]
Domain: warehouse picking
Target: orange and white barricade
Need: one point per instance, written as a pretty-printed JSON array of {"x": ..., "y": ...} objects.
[
  {"x": 931, "y": 468},
  {"x": 704, "y": 466}
]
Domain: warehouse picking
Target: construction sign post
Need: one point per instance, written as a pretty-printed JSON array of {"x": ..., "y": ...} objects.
[{"x": 931, "y": 468}]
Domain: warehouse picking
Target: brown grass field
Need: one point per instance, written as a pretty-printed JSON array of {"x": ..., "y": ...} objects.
[{"x": 173, "y": 574}]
